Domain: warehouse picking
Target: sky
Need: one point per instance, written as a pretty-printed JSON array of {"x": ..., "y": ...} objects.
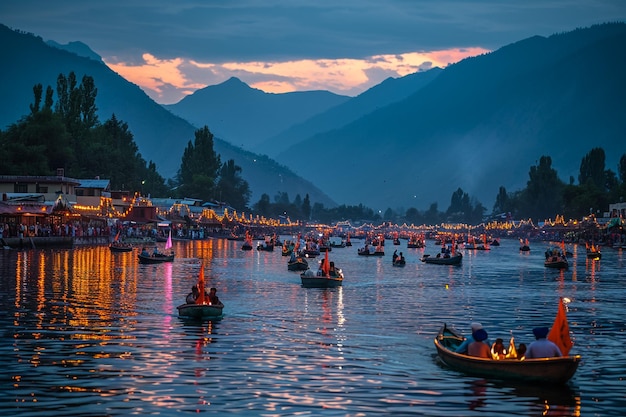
[{"x": 171, "y": 48}]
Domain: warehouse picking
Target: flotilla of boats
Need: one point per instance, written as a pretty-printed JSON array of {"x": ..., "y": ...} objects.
[{"x": 327, "y": 275}]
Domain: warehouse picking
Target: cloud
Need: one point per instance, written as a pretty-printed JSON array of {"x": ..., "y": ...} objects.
[{"x": 169, "y": 80}]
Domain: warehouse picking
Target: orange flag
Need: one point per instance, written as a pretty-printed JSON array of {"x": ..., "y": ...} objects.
[
  {"x": 200, "y": 299},
  {"x": 559, "y": 333},
  {"x": 326, "y": 266}
]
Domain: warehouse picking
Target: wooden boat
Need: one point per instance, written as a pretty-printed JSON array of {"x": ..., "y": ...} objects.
[
  {"x": 311, "y": 279},
  {"x": 557, "y": 262},
  {"x": 443, "y": 260},
  {"x": 327, "y": 276},
  {"x": 200, "y": 311},
  {"x": 155, "y": 258},
  {"x": 202, "y": 308},
  {"x": 594, "y": 254},
  {"x": 399, "y": 262},
  {"x": 366, "y": 252},
  {"x": 298, "y": 264},
  {"x": 120, "y": 247},
  {"x": 524, "y": 245},
  {"x": 544, "y": 370}
]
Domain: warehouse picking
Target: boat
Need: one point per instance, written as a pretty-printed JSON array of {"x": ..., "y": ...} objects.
[
  {"x": 120, "y": 247},
  {"x": 416, "y": 241},
  {"x": 593, "y": 251},
  {"x": 443, "y": 260},
  {"x": 524, "y": 245},
  {"x": 202, "y": 308},
  {"x": 327, "y": 276},
  {"x": 556, "y": 258},
  {"x": 399, "y": 262},
  {"x": 247, "y": 244},
  {"x": 155, "y": 258},
  {"x": 544, "y": 370},
  {"x": 297, "y": 264}
]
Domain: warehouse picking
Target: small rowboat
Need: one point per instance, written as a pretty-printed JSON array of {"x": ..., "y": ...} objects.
[
  {"x": 443, "y": 260},
  {"x": 298, "y": 264},
  {"x": 155, "y": 258},
  {"x": 558, "y": 262},
  {"x": 120, "y": 247},
  {"x": 545, "y": 370},
  {"x": 311, "y": 280},
  {"x": 200, "y": 311}
]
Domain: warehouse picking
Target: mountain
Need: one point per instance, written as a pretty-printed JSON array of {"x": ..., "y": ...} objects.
[
  {"x": 159, "y": 135},
  {"x": 480, "y": 124},
  {"x": 389, "y": 91},
  {"x": 77, "y": 48},
  {"x": 224, "y": 106}
]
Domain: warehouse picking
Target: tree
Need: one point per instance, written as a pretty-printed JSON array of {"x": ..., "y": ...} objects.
[
  {"x": 542, "y": 197},
  {"x": 592, "y": 168},
  {"x": 306, "y": 207},
  {"x": 231, "y": 187},
  {"x": 199, "y": 167},
  {"x": 262, "y": 207}
]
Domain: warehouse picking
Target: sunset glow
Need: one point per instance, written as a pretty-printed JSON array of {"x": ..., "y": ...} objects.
[{"x": 168, "y": 81}]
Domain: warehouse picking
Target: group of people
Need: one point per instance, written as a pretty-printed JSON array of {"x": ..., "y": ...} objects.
[
  {"x": 210, "y": 297},
  {"x": 478, "y": 345}
]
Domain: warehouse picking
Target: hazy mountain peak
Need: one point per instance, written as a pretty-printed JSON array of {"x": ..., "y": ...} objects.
[{"x": 77, "y": 48}]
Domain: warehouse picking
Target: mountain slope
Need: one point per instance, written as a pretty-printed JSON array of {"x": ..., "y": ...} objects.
[
  {"x": 226, "y": 106},
  {"x": 481, "y": 124},
  {"x": 389, "y": 91},
  {"x": 160, "y": 135}
]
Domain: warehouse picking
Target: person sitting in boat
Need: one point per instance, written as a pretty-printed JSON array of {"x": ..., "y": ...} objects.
[
  {"x": 155, "y": 252},
  {"x": 478, "y": 347},
  {"x": 497, "y": 349},
  {"x": 144, "y": 252},
  {"x": 463, "y": 346},
  {"x": 542, "y": 347},
  {"x": 521, "y": 351},
  {"x": 332, "y": 271},
  {"x": 394, "y": 256},
  {"x": 401, "y": 257},
  {"x": 212, "y": 296},
  {"x": 193, "y": 295}
]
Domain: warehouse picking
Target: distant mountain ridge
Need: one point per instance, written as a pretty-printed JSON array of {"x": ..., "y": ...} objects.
[
  {"x": 481, "y": 124},
  {"x": 160, "y": 135},
  {"x": 223, "y": 107},
  {"x": 408, "y": 142}
]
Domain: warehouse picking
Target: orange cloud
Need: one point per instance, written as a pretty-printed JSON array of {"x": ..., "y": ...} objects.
[{"x": 170, "y": 80}]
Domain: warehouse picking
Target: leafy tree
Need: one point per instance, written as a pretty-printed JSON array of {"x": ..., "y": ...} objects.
[
  {"x": 542, "y": 197},
  {"x": 199, "y": 167},
  {"x": 592, "y": 168},
  {"x": 262, "y": 207},
  {"x": 413, "y": 216},
  {"x": 231, "y": 187},
  {"x": 306, "y": 207}
]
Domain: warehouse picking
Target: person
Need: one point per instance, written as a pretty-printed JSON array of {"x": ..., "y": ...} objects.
[
  {"x": 497, "y": 349},
  {"x": 478, "y": 347},
  {"x": 401, "y": 257},
  {"x": 542, "y": 347},
  {"x": 155, "y": 252},
  {"x": 394, "y": 256},
  {"x": 332, "y": 271},
  {"x": 144, "y": 252},
  {"x": 463, "y": 346},
  {"x": 213, "y": 299},
  {"x": 193, "y": 295},
  {"x": 521, "y": 351}
]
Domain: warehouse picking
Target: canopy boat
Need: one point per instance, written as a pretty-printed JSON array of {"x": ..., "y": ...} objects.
[
  {"x": 446, "y": 259},
  {"x": 327, "y": 276},
  {"x": 545, "y": 370}
]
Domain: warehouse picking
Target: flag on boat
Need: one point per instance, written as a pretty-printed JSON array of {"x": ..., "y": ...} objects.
[
  {"x": 326, "y": 266},
  {"x": 559, "y": 333},
  {"x": 200, "y": 299},
  {"x": 168, "y": 244}
]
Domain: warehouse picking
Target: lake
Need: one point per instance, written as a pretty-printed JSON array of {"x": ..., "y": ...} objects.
[{"x": 93, "y": 333}]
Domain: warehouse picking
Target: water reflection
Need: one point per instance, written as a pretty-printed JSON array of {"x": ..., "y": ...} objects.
[{"x": 96, "y": 333}]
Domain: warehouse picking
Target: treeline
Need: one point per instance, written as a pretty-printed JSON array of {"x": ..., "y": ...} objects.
[
  {"x": 545, "y": 196},
  {"x": 67, "y": 134}
]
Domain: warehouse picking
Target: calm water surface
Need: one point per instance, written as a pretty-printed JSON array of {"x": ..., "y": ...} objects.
[{"x": 90, "y": 333}]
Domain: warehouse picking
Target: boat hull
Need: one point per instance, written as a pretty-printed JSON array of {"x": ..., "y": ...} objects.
[
  {"x": 321, "y": 282},
  {"x": 544, "y": 370},
  {"x": 149, "y": 259},
  {"x": 452, "y": 260},
  {"x": 200, "y": 310}
]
